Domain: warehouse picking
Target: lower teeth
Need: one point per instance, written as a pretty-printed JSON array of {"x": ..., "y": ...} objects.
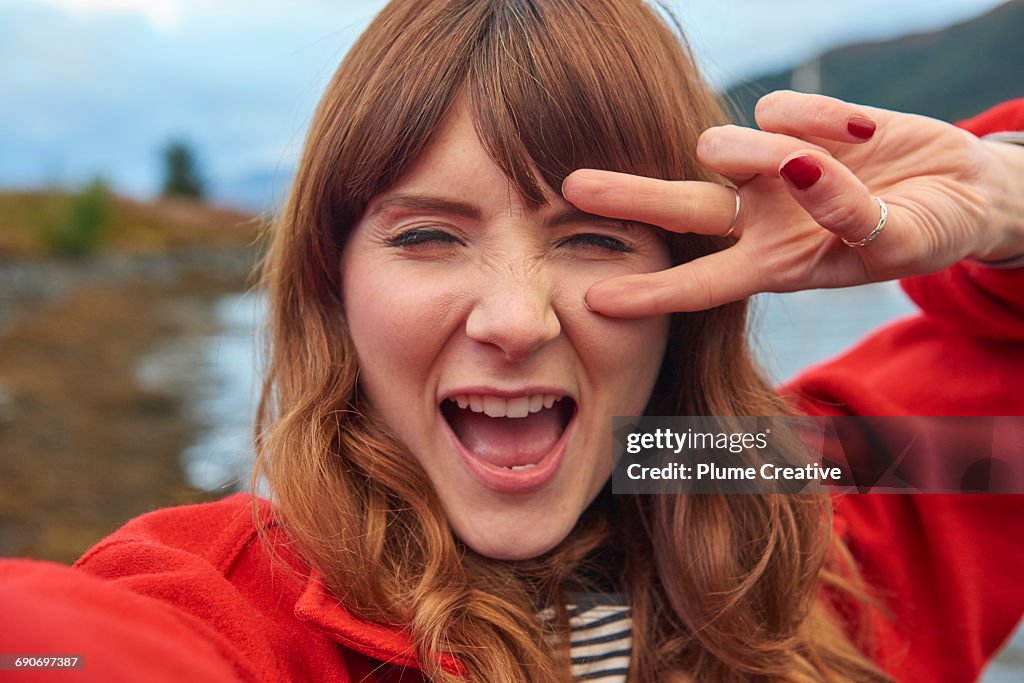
[{"x": 519, "y": 467}]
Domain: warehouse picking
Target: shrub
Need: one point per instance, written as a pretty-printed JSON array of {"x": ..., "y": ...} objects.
[{"x": 82, "y": 228}]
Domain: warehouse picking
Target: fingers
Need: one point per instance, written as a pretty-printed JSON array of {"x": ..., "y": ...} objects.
[
  {"x": 680, "y": 206},
  {"x": 703, "y": 283},
  {"x": 828, "y": 191},
  {"x": 789, "y": 122},
  {"x": 805, "y": 116},
  {"x": 833, "y": 196},
  {"x": 740, "y": 153}
]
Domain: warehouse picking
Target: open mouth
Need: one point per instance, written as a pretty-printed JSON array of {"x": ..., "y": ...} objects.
[{"x": 513, "y": 433}]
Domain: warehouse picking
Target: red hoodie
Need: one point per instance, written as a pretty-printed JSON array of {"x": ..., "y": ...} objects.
[{"x": 190, "y": 594}]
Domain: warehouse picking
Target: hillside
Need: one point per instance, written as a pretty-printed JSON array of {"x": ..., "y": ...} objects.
[
  {"x": 948, "y": 74},
  {"x": 29, "y": 219},
  {"x": 85, "y": 443}
]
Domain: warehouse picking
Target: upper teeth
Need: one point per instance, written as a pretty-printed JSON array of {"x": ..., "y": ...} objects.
[{"x": 495, "y": 406}]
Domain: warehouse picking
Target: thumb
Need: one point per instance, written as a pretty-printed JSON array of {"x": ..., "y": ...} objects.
[{"x": 703, "y": 283}]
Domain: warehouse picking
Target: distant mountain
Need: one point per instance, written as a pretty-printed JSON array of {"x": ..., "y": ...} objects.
[{"x": 949, "y": 74}]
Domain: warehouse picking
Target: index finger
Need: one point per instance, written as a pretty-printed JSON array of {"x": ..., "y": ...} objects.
[{"x": 676, "y": 205}]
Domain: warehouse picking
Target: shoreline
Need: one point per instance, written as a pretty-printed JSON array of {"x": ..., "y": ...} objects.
[{"x": 85, "y": 446}]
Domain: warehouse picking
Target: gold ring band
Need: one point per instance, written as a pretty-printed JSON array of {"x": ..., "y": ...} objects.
[{"x": 736, "y": 214}]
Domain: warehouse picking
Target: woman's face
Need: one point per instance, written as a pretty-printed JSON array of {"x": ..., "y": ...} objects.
[{"x": 475, "y": 346}]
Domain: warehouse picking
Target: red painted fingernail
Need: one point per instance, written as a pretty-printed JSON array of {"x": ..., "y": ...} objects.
[
  {"x": 860, "y": 127},
  {"x": 801, "y": 171}
]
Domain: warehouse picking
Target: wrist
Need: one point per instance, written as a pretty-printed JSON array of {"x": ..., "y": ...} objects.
[{"x": 1004, "y": 229}]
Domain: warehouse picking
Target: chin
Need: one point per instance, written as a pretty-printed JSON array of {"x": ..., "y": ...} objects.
[{"x": 515, "y": 541}]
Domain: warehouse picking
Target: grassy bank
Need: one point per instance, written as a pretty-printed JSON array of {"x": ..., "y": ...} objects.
[
  {"x": 29, "y": 222},
  {"x": 84, "y": 447}
]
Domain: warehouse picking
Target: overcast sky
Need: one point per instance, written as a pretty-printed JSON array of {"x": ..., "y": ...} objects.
[{"x": 97, "y": 86}]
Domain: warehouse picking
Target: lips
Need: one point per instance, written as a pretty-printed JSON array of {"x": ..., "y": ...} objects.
[{"x": 511, "y": 443}]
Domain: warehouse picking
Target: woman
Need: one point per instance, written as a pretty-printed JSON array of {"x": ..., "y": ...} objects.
[{"x": 450, "y": 334}]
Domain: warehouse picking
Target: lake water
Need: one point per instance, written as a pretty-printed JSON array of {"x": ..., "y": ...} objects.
[{"x": 219, "y": 374}]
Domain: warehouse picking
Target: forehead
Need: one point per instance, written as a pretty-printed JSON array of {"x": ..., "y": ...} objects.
[
  {"x": 457, "y": 165},
  {"x": 456, "y": 140},
  {"x": 456, "y": 176},
  {"x": 454, "y": 149}
]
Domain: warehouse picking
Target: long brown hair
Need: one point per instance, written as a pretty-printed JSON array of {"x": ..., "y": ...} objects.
[{"x": 721, "y": 588}]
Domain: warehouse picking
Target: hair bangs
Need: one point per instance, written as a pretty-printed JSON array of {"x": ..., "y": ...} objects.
[
  {"x": 559, "y": 85},
  {"x": 551, "y": 86},
  {"x": 388, "y": 98}
]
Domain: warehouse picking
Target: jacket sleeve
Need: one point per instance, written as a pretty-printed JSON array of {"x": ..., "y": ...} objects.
[
  {"x": 174, "y": 595},
  {"x": 947, "y": 568},
  {"x": 51, "y": 609}
]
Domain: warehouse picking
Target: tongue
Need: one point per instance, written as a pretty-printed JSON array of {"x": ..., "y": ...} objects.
[{"x": 506, "y": 441}]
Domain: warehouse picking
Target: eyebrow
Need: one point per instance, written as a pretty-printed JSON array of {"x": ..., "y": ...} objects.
[
  {"x": 420, "y": 202},
  {"x": 572, "y": 215},
  {"x": 465, "y": 209}
]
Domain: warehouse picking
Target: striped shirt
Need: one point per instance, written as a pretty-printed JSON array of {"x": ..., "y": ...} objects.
[{"x": 600, "y": 638}]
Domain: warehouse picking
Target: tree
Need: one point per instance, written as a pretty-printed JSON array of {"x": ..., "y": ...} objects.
[{"x": 181, "y": 172}]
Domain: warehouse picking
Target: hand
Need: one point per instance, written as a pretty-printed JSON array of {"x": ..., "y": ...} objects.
[{"x": 805, "y": 180}]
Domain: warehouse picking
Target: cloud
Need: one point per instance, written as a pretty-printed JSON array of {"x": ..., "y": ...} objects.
[
  {"x": 163, "y": 15},
  {"x": 169, "y": 15},
  {"x": 100, "y": 85}
]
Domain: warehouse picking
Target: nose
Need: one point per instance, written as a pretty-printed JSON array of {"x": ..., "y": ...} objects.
[{"x": 515, "y": 316}]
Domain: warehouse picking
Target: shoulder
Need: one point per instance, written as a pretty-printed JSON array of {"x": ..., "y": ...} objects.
[
  {"x": 966, "y": 363},
  {"x": 214, "y": 534}
]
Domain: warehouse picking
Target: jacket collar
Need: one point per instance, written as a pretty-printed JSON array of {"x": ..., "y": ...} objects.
[{"x": 318, "y": 607}]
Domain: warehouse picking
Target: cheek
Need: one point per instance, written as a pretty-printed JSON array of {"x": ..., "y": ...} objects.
[
  {"x": 623, "y": 355},
  {"x": 399, "y": 320},
  {"x": 622, "y": 358}
]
